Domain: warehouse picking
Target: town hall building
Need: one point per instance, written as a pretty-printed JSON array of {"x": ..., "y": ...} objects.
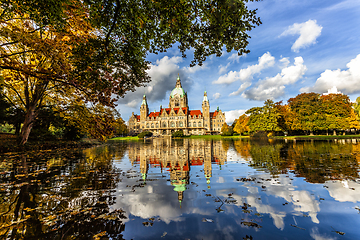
[{"x": 177, "y": 117}]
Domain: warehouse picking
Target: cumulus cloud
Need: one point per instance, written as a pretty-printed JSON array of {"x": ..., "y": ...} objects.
[
  {"x": 233, "y": 114},
  {"x": 217, "y": 95},
  {"x": 196, "y": 68},
  {"x": 241, "y": 89},
  {"x": 235, "y": 57},
  {"x": 163, "y": 75},
  {"x": 223, "y": 69},
  {"x": 309, "y": 31},
  {"x": 346, "y": 81},
  {"x": 272, "y": 88},
  {"x": 265, "y": 61}
]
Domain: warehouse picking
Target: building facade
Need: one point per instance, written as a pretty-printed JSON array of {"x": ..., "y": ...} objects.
[{"x": 177, "y": 117}]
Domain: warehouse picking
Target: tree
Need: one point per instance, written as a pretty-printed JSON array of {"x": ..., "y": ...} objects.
[
  {"x": 264, "y": 118},
  {"x": 120, "y": 128},
  {"x": 307, "y": 109},
  {"x": 241, "y": 124},
  {"x": 96, "y": 50},
  {"x": 226, "y": 130},
  {"x": 336, "y": 109}
]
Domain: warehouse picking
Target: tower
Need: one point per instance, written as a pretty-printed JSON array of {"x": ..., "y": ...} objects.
[
  {"x": 206, "y": 112},
  {"x": 144, "y": 109},
  {"x": 178, "y": 97}
]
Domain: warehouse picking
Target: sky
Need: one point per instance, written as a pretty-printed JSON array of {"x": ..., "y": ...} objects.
[{"x": 301, "y": 46}]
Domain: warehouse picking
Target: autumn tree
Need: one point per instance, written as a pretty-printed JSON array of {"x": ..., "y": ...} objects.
[
  {"x": 336, "y": 111},
  {"x": 307, "y": 109},
  {"x": 241, "y": 124},
  {"x": 264, "y": 118},
  {"x": 69, "y": 50}
]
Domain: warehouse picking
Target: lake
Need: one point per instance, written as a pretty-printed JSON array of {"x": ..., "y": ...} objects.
[{"x": 184, "y": 189}]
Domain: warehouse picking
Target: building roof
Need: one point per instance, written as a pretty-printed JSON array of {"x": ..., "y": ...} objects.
[
  {"x": 214, "y": 114},
  {"x": 180, "y": 91},
  {"x": 195, "y": 112}
]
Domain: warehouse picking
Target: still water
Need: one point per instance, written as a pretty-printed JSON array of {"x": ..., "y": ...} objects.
[{"x": 184, "y": 189}]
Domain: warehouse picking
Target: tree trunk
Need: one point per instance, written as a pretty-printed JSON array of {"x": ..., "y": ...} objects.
[
  {"x": 311, "y": 133},
  {"x": 27, "y": 125},
  {"x": 334, "y": 132}
]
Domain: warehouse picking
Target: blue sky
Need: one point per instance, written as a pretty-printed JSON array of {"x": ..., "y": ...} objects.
[{"x": 302, "y": 46}]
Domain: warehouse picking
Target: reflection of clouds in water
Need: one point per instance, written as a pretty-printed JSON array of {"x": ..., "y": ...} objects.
[
  {"x": 158, "y": 203},
  {"x": 300, "y": 200},
  {"x": 317, "y": 236},
  {"x": 344, "y": 191}
]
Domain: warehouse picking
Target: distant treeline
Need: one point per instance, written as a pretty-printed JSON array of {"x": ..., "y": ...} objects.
[{"x": 307, "y": 113}]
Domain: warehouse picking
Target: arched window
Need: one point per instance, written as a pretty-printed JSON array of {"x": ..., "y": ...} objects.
[
  {"x": 164, "y": 124},
  {"x": 172, "y": 124},
  {"x": 194, "y": 124},
  {"x": 189, "y": 124},
  {"x": 147, "y": 125},
  {"x": 180, "y": 124},
  {"x": 157, "y": 125},
  {"x": 199, "y": 124},
  {"x": 152, "y": 125}
]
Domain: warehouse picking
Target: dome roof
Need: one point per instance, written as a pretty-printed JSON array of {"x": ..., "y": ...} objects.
[{"x": 177, "y": 90}]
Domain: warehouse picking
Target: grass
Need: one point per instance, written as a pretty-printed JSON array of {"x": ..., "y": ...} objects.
[
  {"x": 125, "y": 138},
  {"x": 316, "y": 137}
]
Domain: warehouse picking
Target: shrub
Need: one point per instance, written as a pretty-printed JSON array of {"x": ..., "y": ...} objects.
[
  {"x": 145, "y": 134},
  {"x": 178, "y": 134}
]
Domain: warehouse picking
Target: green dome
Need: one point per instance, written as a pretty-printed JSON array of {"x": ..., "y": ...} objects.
[{"x": 177, "y": 90}]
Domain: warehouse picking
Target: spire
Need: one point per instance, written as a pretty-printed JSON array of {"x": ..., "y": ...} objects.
[
  {"x": 178, "y": 82},
  {"x": 144, "y": 102},
  {"x": 205, "y": 99}
]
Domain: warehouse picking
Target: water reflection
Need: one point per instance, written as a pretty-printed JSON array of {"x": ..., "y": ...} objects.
[
  {"x": 184, "y": 189},
  {"x": 242, "y": 187}
]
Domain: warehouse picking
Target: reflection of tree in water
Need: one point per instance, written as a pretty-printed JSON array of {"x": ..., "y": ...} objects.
[
  {"x": 60, "y": 195},
  {"x": 316, "y": 161}
]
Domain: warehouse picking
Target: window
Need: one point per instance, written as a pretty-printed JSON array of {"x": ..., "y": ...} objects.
[
  {"x": 164, "y": 124},
  {"x": 147, "y": 125},
  {"x": 172, "y": 124},
  {"x": 189, "y": 124},
  {"x": 199, "y": 124},
  {"x": 157, "y": 125},
  {"x": 194, "y": 124},
  {"x": 180, "y": 124},
  {"x": 152, "y": 125}
]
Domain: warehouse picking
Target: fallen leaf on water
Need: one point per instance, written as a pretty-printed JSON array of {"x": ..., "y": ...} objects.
[
  {"x": 251, "y": 224},
  {"x": 297, "y": 227},
  {"x": 207, "y": 220}
]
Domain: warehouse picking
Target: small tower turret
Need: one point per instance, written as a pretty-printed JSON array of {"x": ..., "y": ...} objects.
[
  {"x": 144, "y": 109},
  {"x": 206, "y": 112}
]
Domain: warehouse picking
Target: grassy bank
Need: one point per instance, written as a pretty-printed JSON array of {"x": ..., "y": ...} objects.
[
  {"x": 125, "y": 139},
  {"x": 316, "y": 137}
]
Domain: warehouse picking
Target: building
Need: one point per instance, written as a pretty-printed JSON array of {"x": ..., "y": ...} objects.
[{"x": 177, "y": 116}]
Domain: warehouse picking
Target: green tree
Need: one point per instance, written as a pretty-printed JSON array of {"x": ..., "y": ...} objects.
[
  {"x": 264, "y": 118},
  {"x": 96, "y": 50},
  {"x": 336, "y": 109},
  {"x": 307, "y": 109}
]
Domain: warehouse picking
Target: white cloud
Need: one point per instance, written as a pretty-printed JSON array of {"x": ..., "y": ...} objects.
[
  {"x": 235, "y": 57},
  {"x": 133, "y": 103},
  {"x": 223, "y": 69},
  {"x": 233, "y": 114},
  {"x": 346, "y": 81},
  {"x": 309, "y": 31},
  {"x": 265, "y": 61},
  {"x": 217, "y": 95},
  {"x": 241, "y": 89},
  {"x": 272, "y": 88},
  {"x": 196, "y": 68}
]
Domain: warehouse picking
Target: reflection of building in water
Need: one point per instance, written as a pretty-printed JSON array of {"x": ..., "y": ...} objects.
[{"x": 177, "y": 157}]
